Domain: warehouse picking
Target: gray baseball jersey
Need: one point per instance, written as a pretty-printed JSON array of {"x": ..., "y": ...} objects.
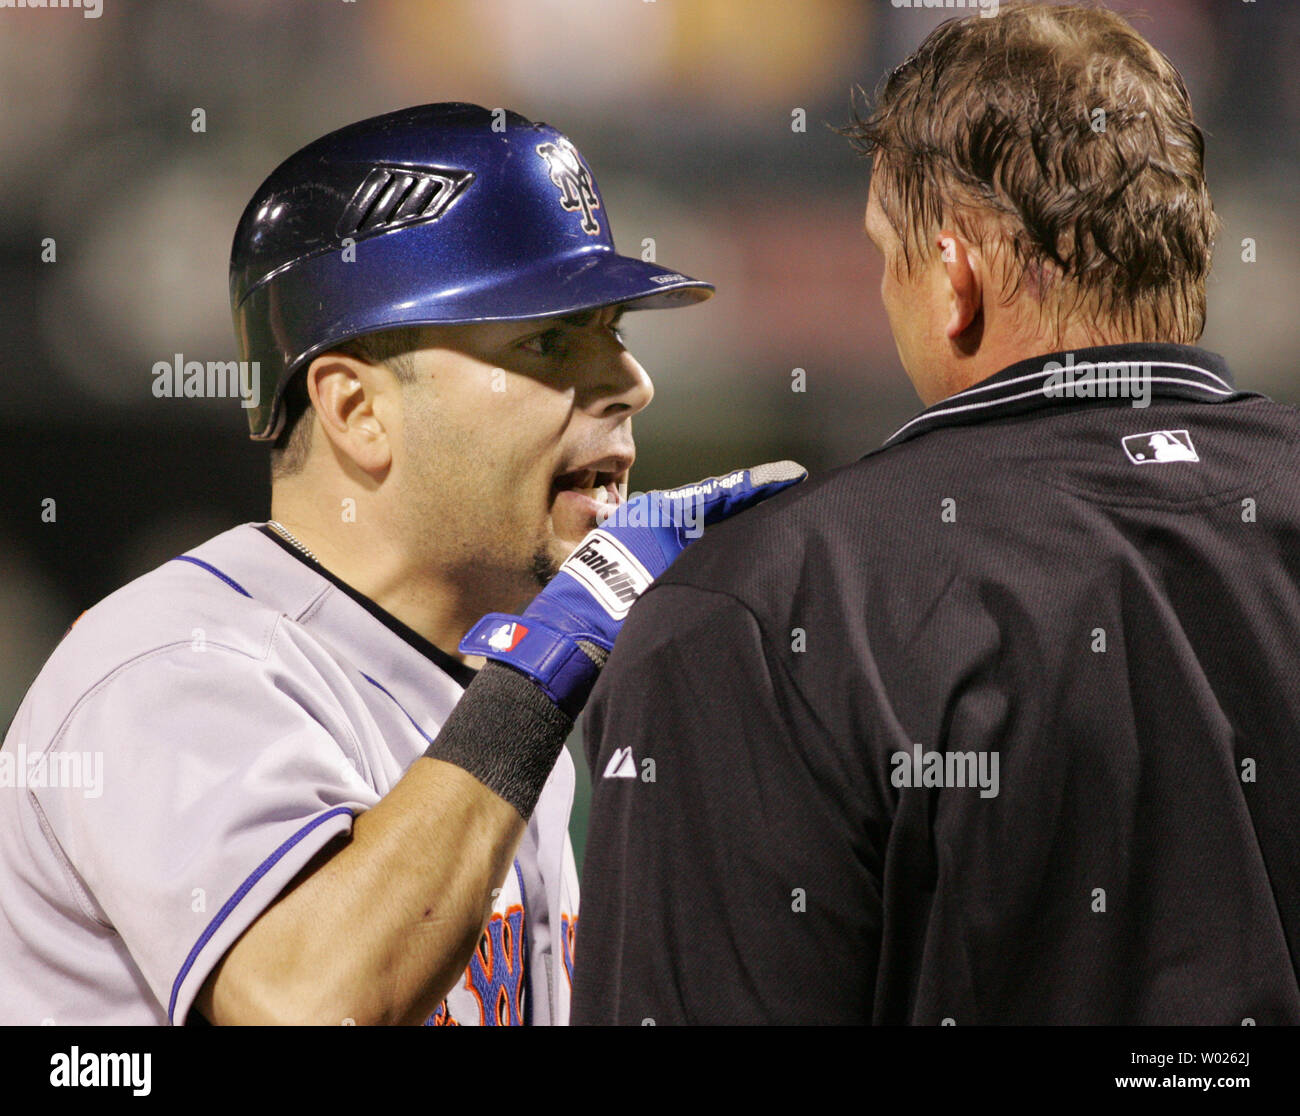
[{"x": 193, "y": 741}]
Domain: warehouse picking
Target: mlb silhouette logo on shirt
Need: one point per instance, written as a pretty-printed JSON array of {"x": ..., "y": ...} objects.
[{"x": 1160, "y": 446}]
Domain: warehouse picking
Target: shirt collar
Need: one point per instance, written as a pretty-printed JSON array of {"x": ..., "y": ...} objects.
[
  {"x": 457, "y": 670},
  {"x": 1103, "y": 373}
]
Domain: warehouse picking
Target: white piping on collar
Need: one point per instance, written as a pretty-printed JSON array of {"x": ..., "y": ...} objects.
[{"x": 1225, "y": 390}]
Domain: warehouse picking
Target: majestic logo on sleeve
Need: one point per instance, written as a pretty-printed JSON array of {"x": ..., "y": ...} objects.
[
  {"x": 610, "y": 572},
  {"x": 573, "y": 179},
  {"x": 621, "y": 764}
]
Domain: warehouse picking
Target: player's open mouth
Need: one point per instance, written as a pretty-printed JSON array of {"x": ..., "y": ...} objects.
[{"x": 603, "y": 489}]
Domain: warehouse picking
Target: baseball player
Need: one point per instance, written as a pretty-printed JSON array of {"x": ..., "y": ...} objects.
[
  {"x": 311, "y": 804},
  {"x": 999, "y": 724}
]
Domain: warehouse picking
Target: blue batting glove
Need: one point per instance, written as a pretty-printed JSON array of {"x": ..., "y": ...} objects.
[{"x": 564, "y": 636}]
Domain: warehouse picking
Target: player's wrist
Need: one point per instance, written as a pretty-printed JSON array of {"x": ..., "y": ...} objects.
[{"x": 507, "y": 733}]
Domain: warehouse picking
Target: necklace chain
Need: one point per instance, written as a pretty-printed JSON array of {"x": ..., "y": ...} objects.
[{"x": 291, "y": 540}]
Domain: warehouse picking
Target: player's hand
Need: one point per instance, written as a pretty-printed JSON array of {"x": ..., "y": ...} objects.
[{"x": 562, "y": 639}]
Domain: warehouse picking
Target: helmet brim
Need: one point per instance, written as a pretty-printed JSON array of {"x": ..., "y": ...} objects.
[{"x": 555, "y": 288}]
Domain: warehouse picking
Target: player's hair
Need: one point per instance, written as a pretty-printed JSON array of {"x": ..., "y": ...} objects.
[
  {"x": 1062, "y": 143},
  {"x": 394, "y": 348}
]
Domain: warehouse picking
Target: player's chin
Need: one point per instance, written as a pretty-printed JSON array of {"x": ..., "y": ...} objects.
[{"x": 553, "y": 543}]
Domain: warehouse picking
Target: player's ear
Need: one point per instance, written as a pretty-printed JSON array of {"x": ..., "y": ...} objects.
[
  {"x": 352, "y": 400},
  {"x": 962, "y": 265}
]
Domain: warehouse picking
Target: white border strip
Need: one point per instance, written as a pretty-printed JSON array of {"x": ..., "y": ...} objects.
[{"x": 925, "y": 415}]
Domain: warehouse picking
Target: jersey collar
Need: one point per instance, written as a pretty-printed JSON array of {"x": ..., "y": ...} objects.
[
  {"x": 1105, "y": 374},
  {"x": 454, "y": 667}
]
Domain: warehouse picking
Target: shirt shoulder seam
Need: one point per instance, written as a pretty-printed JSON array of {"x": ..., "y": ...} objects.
[{"x": 143, "y": 657}]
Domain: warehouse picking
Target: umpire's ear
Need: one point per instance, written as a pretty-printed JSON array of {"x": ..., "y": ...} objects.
[
  {"x": 357, "y": 408},
  {"x": 964, "y": 267}
]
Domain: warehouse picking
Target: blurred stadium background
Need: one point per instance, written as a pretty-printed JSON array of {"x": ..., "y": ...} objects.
[{"x": 684, "y": 108}]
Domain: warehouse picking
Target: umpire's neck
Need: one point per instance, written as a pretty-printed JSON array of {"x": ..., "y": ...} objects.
[{"x": 954, "y": 322}]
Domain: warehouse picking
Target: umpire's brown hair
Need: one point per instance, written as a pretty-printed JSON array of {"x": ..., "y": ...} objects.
[{"x": 1062, "y": 142}]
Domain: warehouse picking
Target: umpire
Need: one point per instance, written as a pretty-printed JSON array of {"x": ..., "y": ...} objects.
[{"x": 1001, "y": 723}]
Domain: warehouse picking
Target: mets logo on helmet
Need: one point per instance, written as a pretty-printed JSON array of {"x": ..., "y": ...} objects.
[{"x": 571, "y": 176}]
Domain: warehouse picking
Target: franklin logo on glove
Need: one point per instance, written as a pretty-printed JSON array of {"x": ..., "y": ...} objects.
[{"x": 612, "y": 574}]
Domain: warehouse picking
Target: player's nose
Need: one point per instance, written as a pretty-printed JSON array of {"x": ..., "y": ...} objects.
[{"x": 617, "y": 384}]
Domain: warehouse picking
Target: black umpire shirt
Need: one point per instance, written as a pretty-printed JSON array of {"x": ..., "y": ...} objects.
[{"x": 999, "y": 724}]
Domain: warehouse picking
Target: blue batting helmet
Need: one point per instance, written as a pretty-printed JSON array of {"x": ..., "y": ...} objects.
[{"x": 438, "y": 214}]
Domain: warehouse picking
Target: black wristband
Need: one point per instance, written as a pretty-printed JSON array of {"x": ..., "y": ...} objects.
[{"x": 506, "y": 733}]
